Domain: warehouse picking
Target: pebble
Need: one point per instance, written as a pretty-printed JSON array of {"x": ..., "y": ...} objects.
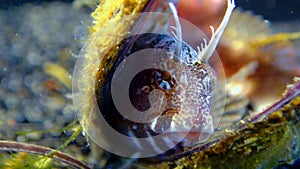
[
  {"x": 35, "y": 35},
  {"x": 30, "y": 36}
]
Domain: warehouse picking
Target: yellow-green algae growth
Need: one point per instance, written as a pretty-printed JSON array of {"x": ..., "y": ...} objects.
[
  {"x": 24, "y": 160},
  {"x": 106, "y": 35}
]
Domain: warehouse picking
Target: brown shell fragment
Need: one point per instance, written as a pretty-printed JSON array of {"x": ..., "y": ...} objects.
[{"x": 248, "y": 38}]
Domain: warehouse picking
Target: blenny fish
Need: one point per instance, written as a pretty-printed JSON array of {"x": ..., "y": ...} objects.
[{"x": 188, "y": 94}]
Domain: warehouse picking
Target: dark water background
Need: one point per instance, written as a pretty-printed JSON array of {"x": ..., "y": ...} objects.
[{"x": 274, "y": 10}]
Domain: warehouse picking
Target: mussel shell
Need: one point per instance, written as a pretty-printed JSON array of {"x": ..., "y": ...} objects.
[
  {"x": 250, "y": 143},
  {"x": 94, "y": 71}
]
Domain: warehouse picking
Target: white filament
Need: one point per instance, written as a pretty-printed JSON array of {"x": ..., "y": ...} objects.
[
  {"x": 206, "y": 50},
  {"x": 178, "y": 34}
]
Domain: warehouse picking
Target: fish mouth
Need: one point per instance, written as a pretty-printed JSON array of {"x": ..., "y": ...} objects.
[
  {"x": 189, "y": 136},
  {"x": 192, "y": 138}
]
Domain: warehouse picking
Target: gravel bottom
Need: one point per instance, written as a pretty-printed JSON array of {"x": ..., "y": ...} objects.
[{"x": 30, "y": 99}]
